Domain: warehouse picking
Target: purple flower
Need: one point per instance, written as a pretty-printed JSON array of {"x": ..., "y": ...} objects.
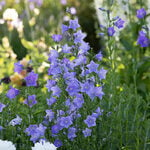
[
  {"x": 64, "y": 28},
  {"x": 57, "y": 37},
  {"x": 102, "y": 9},
  {"x": 67, "y": 102},
  {"x": 102, "y": 73},
  {"x": 56, "y": 128},
  {"x": 18, "y": 67},
  {"x": 72, "y": 133},
  {"x": 66, "y": 121},
  {"x": 81, "y": 59},
  {"x": 2, "y": 4},
  {"x": 92, "y": 66},
  {"x": 142, "y": 40},
  {"x": 95, "y": 115},
  {"x": 56, "y": 91},
  {"x": 98, "y": 92},
  {"x": 63, "y": 2},
  {"x": 66, "y": 49},
  {"x": 84, "y": 47},
  {"x": 53, "y": 55},
  {"x": 51, "y": 101},
  {"x": 60, "y": 112},
  {"x": 58, "y": 143},
  {"x": 91, "y": 93},
  {"x": 16, "y": 121},
  {"x": 99, "y": 111},
  {"x": 73, "y": 10},
  {"x": 111, "y": 31},
  {"x": 31, "y": 129},
  {"x": 50, "y": 84},
  {"x": 79, "y": 36},
  {"x": 73, "y": 89},
  {"x": 90, "y": 121},
  {"x": 54, "y": 69},
  {"x": 73, "y": 24},
  {"x": 2, "y": 106},
  {"x": 12, "y": 93},
  {"x": 1, "y": 128},
  {"x": 87, "y": 132},
  {"x": 50, "y": 114},
  {"x": 119, "y": 23},
  {"x": 31, "y": 79},
  {"x": 78, "y": 101},
  {"x": 69, "y": 75},
  {"x": 37, "y": 2},
  {"x": 115, "y": 18},
  {"x": 30, "y": 101},
  {"x": 36, "y": 132},
  {"x": 101, "y": 34},
  {"x": 141, "y": 13},
  {"x": 99, "y": 56},
  {"x": 85, "y": 87}
]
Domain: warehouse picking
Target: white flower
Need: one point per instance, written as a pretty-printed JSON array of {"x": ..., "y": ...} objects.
[
  {"x": 18, "y": 24},
  {"x": 6, "y": 145},
  {"x": 42, "y": 145},
  {"x": 15, "y": 121},
  {"x": 10, "y": 14}
]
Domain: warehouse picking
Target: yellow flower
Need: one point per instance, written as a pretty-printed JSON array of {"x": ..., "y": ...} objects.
[
  {"x": 21, "y": 99},
  {"x": 16, "y": 79},
  {"x": 72, "y": 58},
  {"x": 1, "y": 88}
]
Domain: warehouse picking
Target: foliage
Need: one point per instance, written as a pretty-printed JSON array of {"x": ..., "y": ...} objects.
[{"x": 54, "y": 87}]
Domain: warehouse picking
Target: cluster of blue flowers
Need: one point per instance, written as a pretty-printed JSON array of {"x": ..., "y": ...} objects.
[
  {"x": 115, "y": 23},
  {"x": 76, "y": 81},
  {"x": 143, "y": 39},
  {"x": 80, "y": 80}
]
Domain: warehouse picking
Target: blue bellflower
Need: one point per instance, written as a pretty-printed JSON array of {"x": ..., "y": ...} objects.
[
  {"x": 119, "y": 23},
  {"x": 18, "y": 67},
  {"x": 142, "y": 40},
  {"x": 73, "y": 24},
  {"x": 90, "y": 121},
  {"x": 141, "y": 13},
  {"x": 58, "y": 143},
  {"x": 87, "y": 132},
  {"x": 31, "y": 79},
  {"x": 111, "y": 31},
  {"x": 2, "y": 106},
  {"x": 31, "y": 100},
  {"x": 12, "y": 93}
]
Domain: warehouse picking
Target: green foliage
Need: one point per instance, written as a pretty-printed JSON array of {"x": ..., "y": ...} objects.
[{"x": 125, "y": 123}]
